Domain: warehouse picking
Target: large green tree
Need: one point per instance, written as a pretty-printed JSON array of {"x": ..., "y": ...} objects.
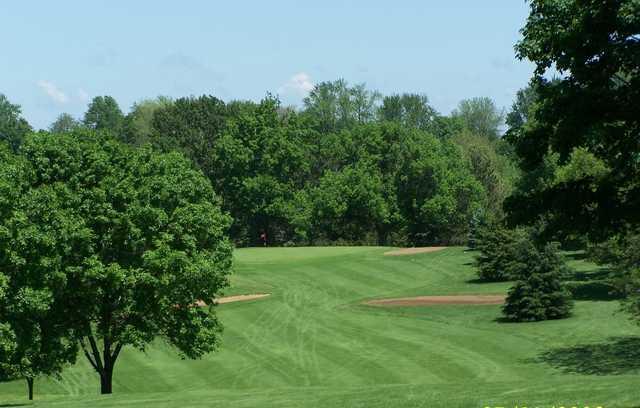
[
  {"x": 138, "y": 125},
  {"x": 191, "y": 125},
  {"x": 538, "y": 293},
  {"x": 412, "y": 110},
  {"x": 65, "y": 123},
  {"x": 594, "y": 105},
  {"x": 350, "y": 203},
  {"x": 495, "y": 171},
  {"x": 36, "y": 338},
  {"x": 435, "y": 189},
  {"x": 104, "y": 114},
  {"x": 260, "y": 162},
  {"x": 480, "y": 116},
  {"x": 121, "y": 242},
  {"x": 13, "y": 127},
  {"x": 332, "y": 106}
]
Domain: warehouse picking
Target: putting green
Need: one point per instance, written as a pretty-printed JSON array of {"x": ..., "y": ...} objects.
[{"x": 312, "y": 343}]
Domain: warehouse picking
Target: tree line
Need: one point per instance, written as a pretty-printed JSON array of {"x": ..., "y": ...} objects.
[{"x": 351, "y": 166}]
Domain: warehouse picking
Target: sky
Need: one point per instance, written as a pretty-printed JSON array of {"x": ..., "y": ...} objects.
[{"x": 56, "y": 56}]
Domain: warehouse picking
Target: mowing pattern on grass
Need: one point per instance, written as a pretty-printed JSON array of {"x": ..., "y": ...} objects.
[
  {"x": 439, "y": 300},
  {"x": 313, "y": 344}
]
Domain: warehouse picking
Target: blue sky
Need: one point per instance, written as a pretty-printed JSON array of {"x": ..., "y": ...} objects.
[{"x": 58, "y": 55}]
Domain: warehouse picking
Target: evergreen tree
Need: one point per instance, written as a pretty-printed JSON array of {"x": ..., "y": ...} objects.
[
  {"x": 499, "y": 248},
  {"x": 539, "y": 293}
]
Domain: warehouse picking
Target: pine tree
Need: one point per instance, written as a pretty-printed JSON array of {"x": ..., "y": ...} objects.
[
  {"x": 539, "y": 293},
  {"x": 498, "y": 248}
]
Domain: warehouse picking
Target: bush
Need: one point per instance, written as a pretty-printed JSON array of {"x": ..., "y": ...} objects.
[
  {"x": 539, "y": 293},
  {"x": 498, "y": 250}
]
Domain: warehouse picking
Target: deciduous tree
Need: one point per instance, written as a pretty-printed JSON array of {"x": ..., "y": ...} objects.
[
  {"x": 104, "y": 114},
  {"x": 13, "y": 127},
  {"x": 121, "y": 243}
]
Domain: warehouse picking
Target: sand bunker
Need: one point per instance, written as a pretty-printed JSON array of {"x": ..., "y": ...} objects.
[
  {"x": 236, "y": 298},
  {"x": 411, "y": 251},
  {"x": 439, "y": 300}
]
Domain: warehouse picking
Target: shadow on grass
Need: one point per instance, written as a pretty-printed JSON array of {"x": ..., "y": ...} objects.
[
  {"x": 478, "y": 281},
  {"x": 13, "y": 405},
  {"x": 576, "y": 256},
  {"x": 590, "y": 275},
  {"x": 620, "y": 355},
  {"x": 598, "y": 290}
]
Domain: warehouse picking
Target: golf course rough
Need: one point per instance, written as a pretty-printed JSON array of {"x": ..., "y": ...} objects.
[{"x": 313, "y": 343}]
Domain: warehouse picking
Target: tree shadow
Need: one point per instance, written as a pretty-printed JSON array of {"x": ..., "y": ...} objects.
[
  {"x": 589, "y": 275},
  {"x": 620, "y": 355},
  {"x": 576, "y": 256},
  {"x": 478, "y": 281},
  {"x": 597, "y": 291}
]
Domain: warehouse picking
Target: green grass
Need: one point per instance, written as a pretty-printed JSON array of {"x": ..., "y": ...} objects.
[{"x": 312, "y": 344}]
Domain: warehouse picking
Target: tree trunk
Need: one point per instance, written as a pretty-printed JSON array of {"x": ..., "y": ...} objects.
[
  {"x": 106, "y": 382},
  {"x": 30, "y": 387}
]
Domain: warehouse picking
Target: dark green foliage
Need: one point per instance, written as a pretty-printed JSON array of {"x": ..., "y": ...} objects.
[
  {"x": 538, "y": 294},
  {"x": 13, "y": 127},
  {"x": 138, "y": 124},
  {"x": 65, "y": 123},
  {"x": 119, "y": 243},
  {"x": 345, "y": 168},
  {"x": 349, "y": 204},
  {"x": 36, "y": 337},
  {"x": 499, "y": 252},
  {"x": 593, "y": 105},
  {"x": 410, "y": 110},
  {"x": 628, "y": 270},
  {"x": 104, "y": 114},
  {"x": 480, "y": 116},
  {"x": 496, "y": 172},
  {"x": 436, "y": 192},
  {"x": 621, "y": 253},
  {"x": 333, "y": 106},
  {"x": 191, "y": 125}
]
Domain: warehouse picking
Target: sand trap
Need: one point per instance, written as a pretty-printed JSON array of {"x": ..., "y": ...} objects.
[
  {"x": 411, "y": 251},
  {"x": 440, "y": 300},
  {"x": 236, "y": 298}
]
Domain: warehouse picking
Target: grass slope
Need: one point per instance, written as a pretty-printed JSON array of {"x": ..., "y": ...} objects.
[{"x": 311, "y": 344}]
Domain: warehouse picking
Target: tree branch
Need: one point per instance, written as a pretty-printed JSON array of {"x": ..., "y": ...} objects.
[
  {"x": 96, "y": 353},
  {"x": 116, "y": 352},
  {"x": 87, "y": 355}
]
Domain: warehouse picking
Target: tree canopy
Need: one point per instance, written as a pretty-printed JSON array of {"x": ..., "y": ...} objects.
[
  {"x": 13, "y": 127},
  {"x": 119, "y": 242},
  {"x": 592, "y": 107},
  {"x": 104, "y": 113}
]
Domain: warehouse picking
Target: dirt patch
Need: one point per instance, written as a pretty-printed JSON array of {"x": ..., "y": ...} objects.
[
  {"x": 439, "y": 300},
  {"x": 411, "y": 251},
  {"x": 236, "y": 298}
]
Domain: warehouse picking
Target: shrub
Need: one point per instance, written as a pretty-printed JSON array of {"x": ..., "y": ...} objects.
[
  {"x": 498, "y": 250},
  {"x": 539, "y": 293}
]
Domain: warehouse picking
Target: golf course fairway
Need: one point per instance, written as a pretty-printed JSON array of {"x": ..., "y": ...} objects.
[{"x": 315, "y": 343}]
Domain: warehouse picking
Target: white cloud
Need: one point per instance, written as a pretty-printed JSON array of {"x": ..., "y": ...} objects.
[
  {"x": 299, "y": 84},
  {"x": 83, "y": 95},
  {"x": 53, "y": 92}
]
